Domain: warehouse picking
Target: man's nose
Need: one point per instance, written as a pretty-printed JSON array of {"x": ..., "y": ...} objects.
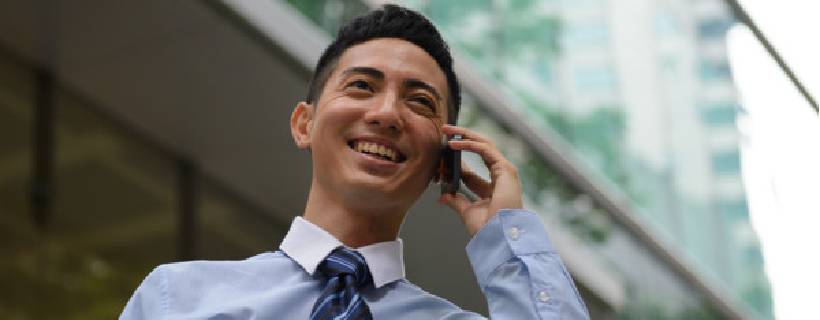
[{"x": 386, "y": 114}]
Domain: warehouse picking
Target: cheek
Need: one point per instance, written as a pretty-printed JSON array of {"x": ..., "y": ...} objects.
[
  {"x": 338, "y": 112},
  {"x": 429, "y": 133},
  {"x": 431, "y": 144}
]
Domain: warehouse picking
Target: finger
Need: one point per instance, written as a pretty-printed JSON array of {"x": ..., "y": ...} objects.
[
  {"x": 475, "y": 182},
  {"x": 465, "y": 133},
  {"x": 458, "y": 202},
  {"x": 487, "y": 152}
]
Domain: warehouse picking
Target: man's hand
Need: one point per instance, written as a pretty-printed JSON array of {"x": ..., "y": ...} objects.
[{"x": 503, "y": 192}]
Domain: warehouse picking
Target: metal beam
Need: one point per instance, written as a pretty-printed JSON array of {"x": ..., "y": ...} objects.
[
  {"x": 187, "y": 225},
  {"x": 744, "y": 17},
  {"x": 42, "y": 186}
]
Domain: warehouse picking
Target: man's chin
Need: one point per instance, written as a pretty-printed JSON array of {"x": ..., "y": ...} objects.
[
  {"x": 375, "y": 186},
  {"x": 384, "y": 190}
]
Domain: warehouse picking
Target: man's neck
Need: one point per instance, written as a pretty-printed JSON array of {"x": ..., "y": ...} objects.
[{"x": 354, "y": 225}]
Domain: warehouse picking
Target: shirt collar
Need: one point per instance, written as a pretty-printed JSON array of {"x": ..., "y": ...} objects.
[{"x": 309, "y": 244}]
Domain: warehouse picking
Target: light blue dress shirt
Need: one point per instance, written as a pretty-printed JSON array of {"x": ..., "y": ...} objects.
[{"x": 518, "y": 271}]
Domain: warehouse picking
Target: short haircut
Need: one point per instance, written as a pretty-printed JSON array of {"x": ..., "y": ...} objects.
[{"x": 389, "y": 21}]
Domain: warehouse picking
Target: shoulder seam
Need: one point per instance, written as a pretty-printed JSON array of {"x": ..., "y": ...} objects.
[{"x": 163, "y": 278}]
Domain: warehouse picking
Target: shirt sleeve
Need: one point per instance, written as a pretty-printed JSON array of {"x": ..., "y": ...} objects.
[
  {"x": 150, "y": 299},
  {"x": 519, "y": 272}
]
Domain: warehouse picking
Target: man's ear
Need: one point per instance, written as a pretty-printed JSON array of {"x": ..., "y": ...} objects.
[{"x": 301, "y": 123}]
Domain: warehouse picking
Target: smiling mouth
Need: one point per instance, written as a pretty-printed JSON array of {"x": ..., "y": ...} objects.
[{"x": 377, "y": 150}]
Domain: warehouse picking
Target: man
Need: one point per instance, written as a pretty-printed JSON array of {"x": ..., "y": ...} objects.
[{"x": 373, "y": 122}]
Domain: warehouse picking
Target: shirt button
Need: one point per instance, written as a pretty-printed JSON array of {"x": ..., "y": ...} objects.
[
  {"x": 543, "y": 296},
  {"x": 514, "y": 233}
]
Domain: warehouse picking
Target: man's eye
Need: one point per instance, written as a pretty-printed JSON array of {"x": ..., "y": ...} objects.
[
  {"x": 424, "y": 101},
  {"x": 360, "y": 85}
]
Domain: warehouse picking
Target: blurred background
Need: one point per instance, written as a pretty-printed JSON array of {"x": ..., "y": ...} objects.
[{"x": 670, "y": 150}]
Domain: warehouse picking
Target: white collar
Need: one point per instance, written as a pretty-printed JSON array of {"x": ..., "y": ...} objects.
[{"x": 309, "y": 244}]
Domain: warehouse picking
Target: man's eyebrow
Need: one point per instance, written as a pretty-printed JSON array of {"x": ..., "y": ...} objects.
[
  {"x": 418, "y": 84},
  {"x": 373, "y": 72}
]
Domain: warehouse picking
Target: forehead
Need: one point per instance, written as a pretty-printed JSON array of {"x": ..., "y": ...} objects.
[{"x": 397, "y": 59}]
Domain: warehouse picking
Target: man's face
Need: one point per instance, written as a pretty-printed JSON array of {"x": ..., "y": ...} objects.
[{"x": 375, "y": 135}]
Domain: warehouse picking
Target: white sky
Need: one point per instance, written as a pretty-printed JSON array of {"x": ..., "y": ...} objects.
[{"x": 781, "y": 148}]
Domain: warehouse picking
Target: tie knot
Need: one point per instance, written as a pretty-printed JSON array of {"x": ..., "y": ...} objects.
[{"x": 346, "y": 264}]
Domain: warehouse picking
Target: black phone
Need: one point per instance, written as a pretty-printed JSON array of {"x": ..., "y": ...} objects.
[{"x": 450, "y": 168}]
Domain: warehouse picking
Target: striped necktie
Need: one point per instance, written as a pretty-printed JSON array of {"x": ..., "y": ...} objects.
[{"x": 346, "y": 272}]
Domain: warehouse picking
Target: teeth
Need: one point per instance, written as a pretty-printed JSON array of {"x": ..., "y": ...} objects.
[{"x": 369, "y": 147}]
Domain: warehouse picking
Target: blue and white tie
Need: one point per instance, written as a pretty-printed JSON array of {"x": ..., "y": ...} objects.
[{"x": 346, "y": 272}]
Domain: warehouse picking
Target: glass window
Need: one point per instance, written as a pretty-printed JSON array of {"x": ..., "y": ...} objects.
[
  {"x": 720, "y": 114},
  {"x": 581, "y": 3},
  {"x": 595, "y": 78},
  {"x": 726, "y": 162},
  {"x": 713, "y": 28},
  {"x": 668, "y": 24},
  {"x": 592, "y": 34},
  {"x": 329, "y": 14},
  {"x": 17, "y": 230},
  {"x": 112, "y": 210},
  {"x": 114, "y": 215},
  {"x": 715, "y": 70},
  {"x": 735, "y": 209}
]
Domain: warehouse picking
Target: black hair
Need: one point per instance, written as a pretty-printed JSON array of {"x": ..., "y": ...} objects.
[{"x": 389, "y": 21}]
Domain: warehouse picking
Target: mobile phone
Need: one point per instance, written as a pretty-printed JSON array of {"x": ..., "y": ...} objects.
[{"x": 450, "y": 168}]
